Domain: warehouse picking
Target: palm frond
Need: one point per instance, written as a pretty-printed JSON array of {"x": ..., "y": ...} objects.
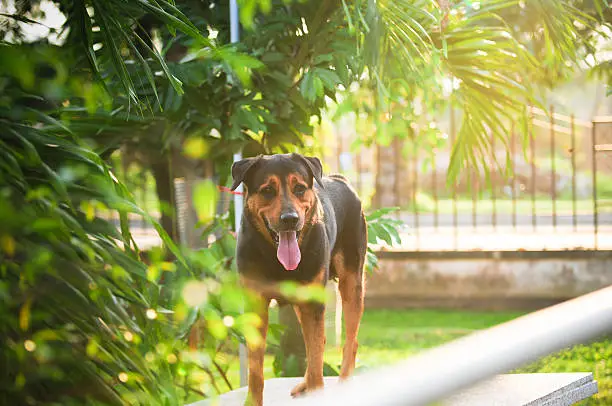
[
  {"x": 115, "y": 40},
  {"x": 499, "y": 60}
]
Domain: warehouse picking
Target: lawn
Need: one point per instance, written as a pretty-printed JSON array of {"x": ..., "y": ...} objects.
[{"x": 387, "y": 336}]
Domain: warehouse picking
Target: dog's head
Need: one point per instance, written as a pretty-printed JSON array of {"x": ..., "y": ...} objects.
[{"x": 280, "y": 198}]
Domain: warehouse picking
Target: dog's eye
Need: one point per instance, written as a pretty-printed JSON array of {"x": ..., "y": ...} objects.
[
  {"x": 268, "y": 192},
  {"x": 299, "y": 190}
]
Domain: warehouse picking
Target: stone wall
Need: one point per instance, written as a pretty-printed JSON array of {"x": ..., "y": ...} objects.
[{"x": 481, "y": 280}]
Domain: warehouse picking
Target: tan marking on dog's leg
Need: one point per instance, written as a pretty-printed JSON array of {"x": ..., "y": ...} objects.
[
  {"x": 312, "y": 320},
  {"x": 351, "y": 286},
  {"x": 256, "y": 360}
]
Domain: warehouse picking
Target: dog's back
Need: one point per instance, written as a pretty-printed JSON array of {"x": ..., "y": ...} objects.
[{"x": 344, "y": 221}]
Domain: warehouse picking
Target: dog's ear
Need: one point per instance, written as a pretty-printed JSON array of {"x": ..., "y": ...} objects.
[
  {"x": 314, "y": 167},
  {"x": 241, "y": 168}
]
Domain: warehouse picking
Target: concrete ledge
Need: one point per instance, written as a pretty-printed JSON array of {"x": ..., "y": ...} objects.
[
  {"x": 562, "y": 389},
  {"x": 489, "y": 280},
  {"x": 461, "y": 303}
]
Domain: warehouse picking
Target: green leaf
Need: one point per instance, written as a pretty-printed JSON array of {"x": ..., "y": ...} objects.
[
  {"x": 175, "y": 19},
  {"x": 217, "y": 329},
  {"x": 307, "y": 87},
  {"x": 329, "y": 78},
  {"x": 382, "y": 212},
  {"x": 205, "y": 195}
]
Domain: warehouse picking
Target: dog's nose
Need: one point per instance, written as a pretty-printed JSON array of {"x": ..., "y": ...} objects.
[{"x": 289, "y": 220}]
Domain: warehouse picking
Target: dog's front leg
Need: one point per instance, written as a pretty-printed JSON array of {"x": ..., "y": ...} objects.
[
  {"x": 256, "y": 360},
  {"x": 312, "y": 320}
]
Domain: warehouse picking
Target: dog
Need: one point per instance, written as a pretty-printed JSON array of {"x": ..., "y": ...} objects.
[{"x": 298, "y": 225}]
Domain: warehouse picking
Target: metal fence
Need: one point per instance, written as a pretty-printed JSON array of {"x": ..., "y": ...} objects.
[{"x": 551, "y": 190}]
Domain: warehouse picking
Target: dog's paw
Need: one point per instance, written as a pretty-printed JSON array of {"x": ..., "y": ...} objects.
[
  {"x": 302, "y": 388},
  {"x": 299, "y": 389},
  {"x": 343, "y": 378}
]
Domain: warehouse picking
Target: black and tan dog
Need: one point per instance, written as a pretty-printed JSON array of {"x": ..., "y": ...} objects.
[{"x": 300, "y": 226}]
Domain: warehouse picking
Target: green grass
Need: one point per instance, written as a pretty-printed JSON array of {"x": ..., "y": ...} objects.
[
  {"x": 387, "y": 336},
  {"x": 595, "y": 357},
  {"x": 390, "y": 335}
]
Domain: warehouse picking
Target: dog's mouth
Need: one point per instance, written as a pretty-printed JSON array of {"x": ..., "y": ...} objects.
[
  {"x": 287, "y": 248},
  {"x": 274, "y": 234}
]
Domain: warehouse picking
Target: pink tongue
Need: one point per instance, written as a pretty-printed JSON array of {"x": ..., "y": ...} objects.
[{"x": 288, "y": 252}]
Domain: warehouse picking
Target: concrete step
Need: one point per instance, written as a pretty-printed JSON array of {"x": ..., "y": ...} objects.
[
  {"x": 560, "y": 389},
  {"x": 555, "y": 389}
]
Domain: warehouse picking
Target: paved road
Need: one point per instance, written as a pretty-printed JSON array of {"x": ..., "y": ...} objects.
[
  {"x": 465, "y": 237},
  {"x": 468, "y": 239},
  {"x": 504, "y": 239},
  {"x": 467, "y": 220}
]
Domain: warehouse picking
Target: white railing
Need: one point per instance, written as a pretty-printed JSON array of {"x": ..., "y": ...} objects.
[{"x": 437, "y": 373}]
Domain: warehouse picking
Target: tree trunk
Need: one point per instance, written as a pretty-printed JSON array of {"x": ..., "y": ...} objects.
[
  {"x": 164, "y": 185},
  {"x": 393, "y": 176},
  {"x": 291, "y": 361}
]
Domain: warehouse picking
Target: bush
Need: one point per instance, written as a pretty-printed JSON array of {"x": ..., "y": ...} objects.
[{"x": 83, "y": 318}]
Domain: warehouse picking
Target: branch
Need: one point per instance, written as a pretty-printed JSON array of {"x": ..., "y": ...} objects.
[{"x": 223, "y": 375}]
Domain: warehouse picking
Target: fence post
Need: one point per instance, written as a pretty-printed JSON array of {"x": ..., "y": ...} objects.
[
  {"x": 415, "y": 177},
  {"x": 339, "y": 151},
  {"x": 513, "y": 152},
  {"x": 553, "y": 168},
  {"x": 475, "y": 185},
  {"x": 453, "y": 130},
  {"x": 377, "y": 200},
  {"x": 397, "y": 158},
  {"x": 359, "y": 169},
  {"x": 434, "y": 181},
  {"x": 573, "y": 153},
  {"x": 493, "y": 175},
  {"x": 594, "y": 177},
  {"x": 533, "y": 169}
]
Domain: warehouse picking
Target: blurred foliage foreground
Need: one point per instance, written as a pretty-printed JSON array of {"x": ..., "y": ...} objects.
[{"x": 85, "y": 317}]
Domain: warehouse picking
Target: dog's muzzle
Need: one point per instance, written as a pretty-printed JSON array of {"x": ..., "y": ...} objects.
[
  {"x": 287, "y": 247},
  {"x": 274, "y": 234}
]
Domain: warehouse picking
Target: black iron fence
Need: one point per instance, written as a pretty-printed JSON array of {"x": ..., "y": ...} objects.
[{"x": 550, "y": 190}]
